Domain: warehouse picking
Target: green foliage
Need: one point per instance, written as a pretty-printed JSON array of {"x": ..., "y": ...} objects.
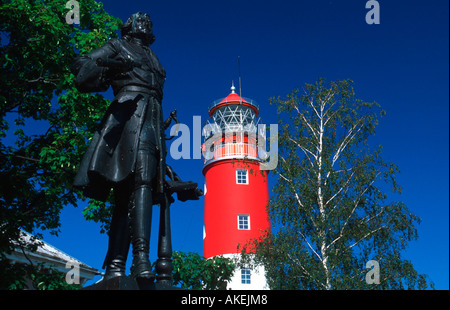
[
  {"x": 330, "y": 208},
  {"x": 195, "y": 272},
  {"x": 36, "y": 50}
]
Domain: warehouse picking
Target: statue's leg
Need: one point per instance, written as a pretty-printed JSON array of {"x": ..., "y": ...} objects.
[
  {"x": 119, "y": 234},
  {"x": 141, "y": 213}
]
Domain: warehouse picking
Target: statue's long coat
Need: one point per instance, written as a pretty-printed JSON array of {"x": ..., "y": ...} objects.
[{"x": 111, "y": 155}]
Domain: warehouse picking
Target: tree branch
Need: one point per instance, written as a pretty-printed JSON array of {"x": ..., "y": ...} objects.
[
  {"x": 306, "y": 122},
  {"x": 341, "y": 233},
  {"x": 297, "y": 197},
  {"x": 294, "y": 259},
  {"x": 367, "y": 235},
  {"x": 340, "y": 190},
  {"x": 349, "y": 137},
  {"x": 305, "y": 150},
  {"x": 310, "y": 246}
]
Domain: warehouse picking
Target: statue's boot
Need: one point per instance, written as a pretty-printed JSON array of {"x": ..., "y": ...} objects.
[
  {"x": 141, "y": 217},
  {"x": 119, "y": 238}
]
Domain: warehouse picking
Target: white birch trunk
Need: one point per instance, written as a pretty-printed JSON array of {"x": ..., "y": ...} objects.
[{"x": 323, "y": 246}]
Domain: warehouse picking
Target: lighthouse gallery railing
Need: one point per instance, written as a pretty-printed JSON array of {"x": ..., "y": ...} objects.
[{"x": 236, "y": 150}]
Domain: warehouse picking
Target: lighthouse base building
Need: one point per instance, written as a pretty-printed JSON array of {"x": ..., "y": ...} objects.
[
  {"x": 236, "y": 189},
  {"x": 246, "y": 278}
]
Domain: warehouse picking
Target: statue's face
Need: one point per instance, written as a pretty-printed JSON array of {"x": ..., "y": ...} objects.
[
  {"x": 142, "y": 24},
  {"x": 143, "y": 27}
]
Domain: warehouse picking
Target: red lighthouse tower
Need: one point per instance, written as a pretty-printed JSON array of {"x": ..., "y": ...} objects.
[{"x": 236, "y": 189}]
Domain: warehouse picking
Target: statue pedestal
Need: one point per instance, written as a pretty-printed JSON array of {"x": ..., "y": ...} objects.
[{"x": 127, "y": 283}]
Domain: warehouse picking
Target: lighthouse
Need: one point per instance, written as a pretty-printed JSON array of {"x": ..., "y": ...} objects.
[{"x": 236, "y": 189}]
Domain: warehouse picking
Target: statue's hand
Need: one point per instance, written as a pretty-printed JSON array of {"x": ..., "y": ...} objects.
[{"x": 129, "y": 64}]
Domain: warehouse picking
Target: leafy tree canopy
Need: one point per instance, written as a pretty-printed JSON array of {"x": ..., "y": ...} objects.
[
  {"x": 37, "y": 48},
  {"x": 330, "y": 207},
  {"x": 195, "y": 272}
]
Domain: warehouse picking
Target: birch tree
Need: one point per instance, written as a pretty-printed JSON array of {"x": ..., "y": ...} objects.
[{"x": 330, "y": 210}]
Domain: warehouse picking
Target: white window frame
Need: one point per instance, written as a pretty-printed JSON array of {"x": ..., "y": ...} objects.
[
  {"x": 239, "y": 176},
  {"x": 245, "y": 222}
]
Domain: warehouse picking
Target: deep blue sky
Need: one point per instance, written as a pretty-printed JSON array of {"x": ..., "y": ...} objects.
[{"x": 402, "y": 63}]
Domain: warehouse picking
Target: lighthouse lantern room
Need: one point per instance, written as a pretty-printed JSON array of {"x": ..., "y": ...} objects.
[{"x": 236, "y": 189}]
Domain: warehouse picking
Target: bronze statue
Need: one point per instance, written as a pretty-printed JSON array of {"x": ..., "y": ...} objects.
[{"x": 128, "y": 150}]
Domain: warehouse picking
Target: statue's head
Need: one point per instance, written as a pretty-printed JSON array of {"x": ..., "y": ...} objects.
[{"x": 139, "y": 26}]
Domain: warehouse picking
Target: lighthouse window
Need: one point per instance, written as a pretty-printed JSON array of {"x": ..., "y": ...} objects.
[
  {"x": 243, "y": 222},
  {"x": 241, "y": 176},
  {"x": 245, "y": 276}
]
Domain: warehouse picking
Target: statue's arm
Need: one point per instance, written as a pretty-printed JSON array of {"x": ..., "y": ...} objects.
[{"x": 90, "y": 77}]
